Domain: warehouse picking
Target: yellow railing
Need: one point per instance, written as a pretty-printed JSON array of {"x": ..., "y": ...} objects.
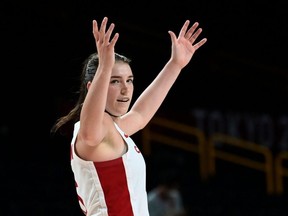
[
  {"x": 214, "y": 152},
  {"x": 212, "y": 148},
  {"x": 148, "y": 135},
  {"x": 280, "y": 170}
]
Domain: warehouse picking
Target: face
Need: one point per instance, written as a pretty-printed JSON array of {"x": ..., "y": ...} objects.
[{"x": 120, "y": 90}]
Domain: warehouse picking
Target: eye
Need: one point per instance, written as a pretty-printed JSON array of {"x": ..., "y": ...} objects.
[
  {"x": 114, "y": 81},
  {"x": 130, "y": 81}
]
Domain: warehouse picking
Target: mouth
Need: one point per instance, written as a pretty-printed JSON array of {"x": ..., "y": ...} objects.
[{"x": 123, "y": 100}]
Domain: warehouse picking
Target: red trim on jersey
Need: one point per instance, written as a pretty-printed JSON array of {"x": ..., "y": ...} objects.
[
  {"x": 115, "y": 187},
  {"x": 71, "y": 152}
]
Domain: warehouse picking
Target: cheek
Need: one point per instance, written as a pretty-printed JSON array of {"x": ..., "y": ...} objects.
[
  {"x": 131, "y": 88},
  {"x": 113, "y": 93},
  {"x": 110, "y": 102}
]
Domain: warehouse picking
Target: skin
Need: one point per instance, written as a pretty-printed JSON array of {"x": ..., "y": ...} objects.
[{"x": 98, "y": 139}]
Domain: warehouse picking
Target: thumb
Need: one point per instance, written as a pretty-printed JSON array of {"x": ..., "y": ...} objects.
[{"x": 172, "y": 36}]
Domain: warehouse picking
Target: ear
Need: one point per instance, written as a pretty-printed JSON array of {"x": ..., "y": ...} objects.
[{"x": 88, "y": 85}]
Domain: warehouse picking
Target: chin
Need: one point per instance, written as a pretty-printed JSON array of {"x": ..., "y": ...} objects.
[{"x": 123, "y": 113}]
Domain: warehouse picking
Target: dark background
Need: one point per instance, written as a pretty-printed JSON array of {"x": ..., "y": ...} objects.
[{"x": 242, "y": 67}]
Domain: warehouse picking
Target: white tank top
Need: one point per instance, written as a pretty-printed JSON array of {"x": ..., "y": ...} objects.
[{"x": 111, "y": 188}]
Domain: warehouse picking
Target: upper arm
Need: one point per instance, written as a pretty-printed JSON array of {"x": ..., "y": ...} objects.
[
  {"x": 93, "y": 138},
  {"x": 132, "y": 122}
]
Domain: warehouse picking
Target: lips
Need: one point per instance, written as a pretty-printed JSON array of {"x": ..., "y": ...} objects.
[{"x": 123, "y": 100}]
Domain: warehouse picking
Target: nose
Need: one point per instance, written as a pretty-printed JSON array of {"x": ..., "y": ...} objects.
[{"x": 124, "y": 89}]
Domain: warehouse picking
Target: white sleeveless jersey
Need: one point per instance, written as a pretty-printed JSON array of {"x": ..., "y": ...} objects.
[{"x": 111, "y": 188}]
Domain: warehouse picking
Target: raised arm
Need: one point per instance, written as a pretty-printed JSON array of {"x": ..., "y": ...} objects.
[
  {"x": 92, "y": 114},
  {"x": 182, "y": 49}
]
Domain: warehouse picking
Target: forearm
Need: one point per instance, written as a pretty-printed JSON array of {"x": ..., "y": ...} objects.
[
  {"x": 152, "y": 97},
  {"x": 94, "y": 105}
]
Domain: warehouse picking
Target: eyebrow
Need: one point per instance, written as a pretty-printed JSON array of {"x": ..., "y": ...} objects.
[{"x": 131, "y": 76}]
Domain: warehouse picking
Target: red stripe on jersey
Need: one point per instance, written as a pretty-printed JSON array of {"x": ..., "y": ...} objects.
[
  {"x": 113, "y": 180},
  {"x": 71, "y": 152}
]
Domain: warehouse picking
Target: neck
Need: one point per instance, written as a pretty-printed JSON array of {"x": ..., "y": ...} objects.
[{"x": 111, "y": 114}]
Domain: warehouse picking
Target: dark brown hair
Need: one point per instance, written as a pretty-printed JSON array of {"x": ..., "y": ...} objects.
[{"x": 89, "y": 69}]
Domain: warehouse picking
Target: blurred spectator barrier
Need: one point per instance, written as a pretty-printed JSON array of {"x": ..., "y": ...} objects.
[
  {"x": 164, "y": 131},
  {"x": 218, "y": 146},
  {"x": 216, "y": 150},
  {"x": 280, "y": 170}
]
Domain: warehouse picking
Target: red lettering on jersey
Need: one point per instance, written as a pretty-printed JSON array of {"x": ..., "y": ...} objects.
[{"x": 136, "y": 148}]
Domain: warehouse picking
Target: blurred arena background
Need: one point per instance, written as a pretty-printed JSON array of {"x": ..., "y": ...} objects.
[{"x": 233, "y": 94}]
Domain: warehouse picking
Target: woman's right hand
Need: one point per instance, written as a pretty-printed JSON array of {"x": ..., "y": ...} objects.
[{"x": 104, "y": 43}]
